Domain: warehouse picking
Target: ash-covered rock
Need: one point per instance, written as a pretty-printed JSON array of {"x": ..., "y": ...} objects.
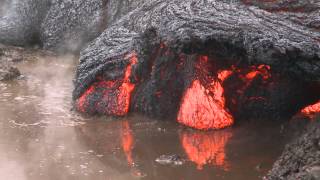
[{"x": 301, "y": 158}]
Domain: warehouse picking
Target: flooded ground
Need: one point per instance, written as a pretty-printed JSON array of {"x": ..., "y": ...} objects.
[{"x": 41, "y": 138}]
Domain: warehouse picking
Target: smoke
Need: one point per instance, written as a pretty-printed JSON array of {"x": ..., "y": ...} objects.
[{"x": 4, "y": 5}]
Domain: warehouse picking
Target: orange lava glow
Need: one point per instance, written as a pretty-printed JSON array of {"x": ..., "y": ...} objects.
[
  {"x": 126, "y": 88},
  {"x": 206, "y": 148},
  {"x": 262, "y": 70},
  {"x": 116, "y": 94},
  {"x": 223, "y": 75},
  {"x": 254, "y": 71},
  {"x": 203, "y": 105},
  {"x": 312, "y": 109},
  {"x": 82, "y": 99},
  {"x": 127, "y": 141}
]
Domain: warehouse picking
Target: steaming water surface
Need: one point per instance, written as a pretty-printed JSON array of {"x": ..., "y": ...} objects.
[{"x": 41, "y": 138}]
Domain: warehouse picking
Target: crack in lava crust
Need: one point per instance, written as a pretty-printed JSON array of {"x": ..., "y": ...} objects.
[
  {"x": 110, "y": 97},
  {"x": 311, "y": 109}
]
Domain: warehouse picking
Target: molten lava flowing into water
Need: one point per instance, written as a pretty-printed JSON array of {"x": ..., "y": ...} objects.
[
  {"x": 203, "y": 105},
  {"x": 114, "y": 95},
  {"x": 206, "y": 147},
  {"x": 312, "y": 109},
  {"x": 127, "y": 141}
]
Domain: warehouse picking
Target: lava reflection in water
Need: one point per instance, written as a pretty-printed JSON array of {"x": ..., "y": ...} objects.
[
  {"x": 206, "y": 148},
  {"x": 127, "y": 141}
]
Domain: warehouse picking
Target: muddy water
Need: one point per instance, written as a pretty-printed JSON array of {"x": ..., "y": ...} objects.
[{"x": 41, "y": 138}]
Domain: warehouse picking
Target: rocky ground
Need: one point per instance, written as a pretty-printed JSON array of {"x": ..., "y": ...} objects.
[{"x": 10, "y": 56}]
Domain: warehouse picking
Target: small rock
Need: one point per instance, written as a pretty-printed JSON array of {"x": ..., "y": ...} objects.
[
  {"x": 8, "y": 73},
  {"x": 170, "y": 159}
]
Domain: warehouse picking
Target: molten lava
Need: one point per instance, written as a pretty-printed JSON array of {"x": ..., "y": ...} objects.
[
  {"x": 114, "y": 95},
  {"x": 127, "y": 141},
  {"x": 312, "y": 109},
  {"x": 203, "y": 104},
  {"x": 223, "y": 75},
  {"x": 83, "y": 98},
  {"x": 249, "y": 75},
  {"x": 206, "y": 147},
  {"x": 262, "y": 70},
  {"x": 203, "y": 108}
]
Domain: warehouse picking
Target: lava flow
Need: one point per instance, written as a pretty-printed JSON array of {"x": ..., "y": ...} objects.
[
  {"x": 203, "y": 104},
  {"x": 206, "y": 147},
  {"x": 114, "y": 96},
  {"x": 312, "y": 109}
]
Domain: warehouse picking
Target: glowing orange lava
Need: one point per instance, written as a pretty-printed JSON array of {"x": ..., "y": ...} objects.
[
  {"x": 116, "y": 94},
  {"x": 127, "y": 141},
  {"x": 126, "y": 88},
  {"x": 205, "y": 148},
  {"x": 82, "y": 99},
  {"x": 223, "y": 75},
  {"x": 254, "y": 71},
  {"x": 203, "y": 105},
  {"x": 312, "y": 109},
  {"x": 262, "y": 70}
]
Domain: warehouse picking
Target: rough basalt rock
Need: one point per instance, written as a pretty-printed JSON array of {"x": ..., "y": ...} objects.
[
  {"x": 59, "y": 25},
  {"x": 303, "y": 12},
  {"x": 301, "y": 158},
  {"x": 118, "y": 8},
  {"x": 68, "y": 25}
]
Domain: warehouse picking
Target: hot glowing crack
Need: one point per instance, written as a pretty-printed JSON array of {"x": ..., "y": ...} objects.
[
  {"x": 116, "y": 95},
  {"x": 311, "y": 109}
]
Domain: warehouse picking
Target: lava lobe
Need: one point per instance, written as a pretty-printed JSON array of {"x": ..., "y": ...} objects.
[
  {"x": 111, "y": 97},
  {"x": 203, "y": 104}
]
